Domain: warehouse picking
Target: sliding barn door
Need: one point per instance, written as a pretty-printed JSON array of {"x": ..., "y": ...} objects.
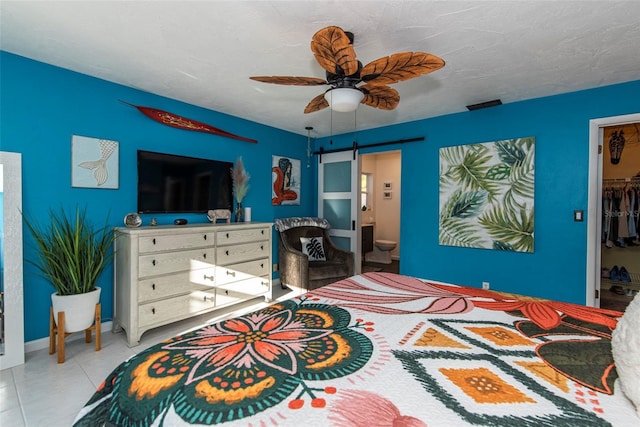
[{"x": 338, "y": 199}]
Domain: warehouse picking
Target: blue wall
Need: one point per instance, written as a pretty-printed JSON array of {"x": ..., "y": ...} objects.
[
  {"x": 560, "y": 124},
  {"x": 43, "y": 106}
]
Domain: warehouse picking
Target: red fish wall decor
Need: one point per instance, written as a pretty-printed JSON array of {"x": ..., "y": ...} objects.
[{"x": 180, "y": 122}]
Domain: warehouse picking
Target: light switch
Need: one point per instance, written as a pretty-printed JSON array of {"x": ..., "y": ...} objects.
[{"x": 578, "y": 216}]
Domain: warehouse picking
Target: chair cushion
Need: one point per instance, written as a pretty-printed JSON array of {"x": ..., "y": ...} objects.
[
  {"x": 327, "y": 270},
  {"x": 313, "y": 248}
]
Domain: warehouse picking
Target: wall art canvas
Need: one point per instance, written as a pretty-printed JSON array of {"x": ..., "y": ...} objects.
[
  {"x": 286, "y": 181},
  {"x": 487, "y": 195},
  {"x": 94, "y": 162}
]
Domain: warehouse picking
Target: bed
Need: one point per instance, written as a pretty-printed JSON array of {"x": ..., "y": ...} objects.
[{"x": 378, "y": 349}]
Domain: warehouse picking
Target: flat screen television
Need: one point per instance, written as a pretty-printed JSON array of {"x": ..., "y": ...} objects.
[{"x": 169, "y": 183}]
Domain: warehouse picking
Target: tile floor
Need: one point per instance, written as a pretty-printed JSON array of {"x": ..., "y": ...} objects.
[
  {"x": 44, "y": 393},
  {"x": 394, "y": 267}
]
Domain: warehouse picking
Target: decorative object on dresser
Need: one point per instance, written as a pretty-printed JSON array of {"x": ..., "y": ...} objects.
[
  {"x": 165, "y": 273},
  {"x": 72, "y": 255},
  {"x": 215, "y": 214},
  {"x": 132, "y": 220},
  {"x": 240, "y": 186}
]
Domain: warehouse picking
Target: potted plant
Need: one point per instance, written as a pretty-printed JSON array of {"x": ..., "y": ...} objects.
[{"x": 72, "y": 254}]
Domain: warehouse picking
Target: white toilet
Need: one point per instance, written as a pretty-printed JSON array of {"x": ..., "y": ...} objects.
[{"x": 381, "y": 251}]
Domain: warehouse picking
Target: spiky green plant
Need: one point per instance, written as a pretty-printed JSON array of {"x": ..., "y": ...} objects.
[{"x": 72, "y": 254}]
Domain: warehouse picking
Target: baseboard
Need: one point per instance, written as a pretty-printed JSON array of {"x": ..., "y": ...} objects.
[{"x": 41, "y": 343}]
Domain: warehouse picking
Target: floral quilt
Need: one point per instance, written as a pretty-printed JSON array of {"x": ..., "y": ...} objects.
[{"x": 378, "y": 349}]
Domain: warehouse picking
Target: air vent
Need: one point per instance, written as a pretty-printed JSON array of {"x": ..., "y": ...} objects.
[{"x": 484, "y": 105}]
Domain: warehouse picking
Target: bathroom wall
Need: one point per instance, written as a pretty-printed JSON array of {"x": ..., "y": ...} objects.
[{"x": 386, "y": 168}]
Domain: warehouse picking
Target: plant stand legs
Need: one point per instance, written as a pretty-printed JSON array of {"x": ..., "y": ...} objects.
[{"x": 57, "y": 333}]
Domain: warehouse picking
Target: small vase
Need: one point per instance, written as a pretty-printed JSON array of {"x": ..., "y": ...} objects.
[{"x": 239, "y": 212}]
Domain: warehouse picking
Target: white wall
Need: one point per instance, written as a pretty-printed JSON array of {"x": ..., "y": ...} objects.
[{"x": 385, "y": 167}]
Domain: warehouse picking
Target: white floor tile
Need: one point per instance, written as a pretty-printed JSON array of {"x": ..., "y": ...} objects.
[
  {"x": 12, "y": 417},
  {"x": 8, "y": 398}
]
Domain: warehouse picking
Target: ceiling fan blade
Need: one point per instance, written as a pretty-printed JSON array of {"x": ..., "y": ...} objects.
[
  {"x": 400, "y": 66},
  {"x": 290, "y": 80},
  {"x": 382, "y": 97},
  {"x": 318, "y": 103},
  {"x": 334, "y": 51}
]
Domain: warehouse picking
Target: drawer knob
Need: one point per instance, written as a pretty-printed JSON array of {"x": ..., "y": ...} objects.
[
  {"x": 205, "y": 237},
  {"x": 227, "y": 252},
  {"x": 208, "y": 277},
  {"x": 207, "y": 298},
  {"x": 265, "y": 283},
  {"x": 262, "y": 231},
  {"x": 226, "y": 292},
  {"x": 154, "y": 240},
  {"x": 153, "y": 286},
  {"x": 231, "y": 273},
  {"x": 262, "y": 247},
  {"x": 153, "y": 262},
  {"x": 227, "y": 235},
  {"x": 153, "y": 311},
  {"x": 262, "y": 265},
  {"x": 204, "y": 255}
]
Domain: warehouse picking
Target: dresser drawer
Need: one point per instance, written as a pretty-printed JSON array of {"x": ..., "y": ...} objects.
[
  {"x": 242, "y": 236},
  {"x": 237, "y": 253},
  {"x": 172, "y": 242},
  {"x": 241, "y": 291},
  {"x": 175, "y": 308},
  {"x": 175, "y": 284},
  {"x": 174, "y": 262},
  {"x": 245, "y": 270}
]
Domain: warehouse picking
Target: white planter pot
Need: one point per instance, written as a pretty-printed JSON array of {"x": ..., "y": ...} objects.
[{"x": 79, "y": 310}]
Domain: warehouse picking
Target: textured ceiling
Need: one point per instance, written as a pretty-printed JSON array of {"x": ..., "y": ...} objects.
[{"x": 203, "y": 52}]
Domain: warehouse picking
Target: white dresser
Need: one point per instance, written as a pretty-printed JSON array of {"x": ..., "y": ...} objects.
[{"x": 168, "y": 273}]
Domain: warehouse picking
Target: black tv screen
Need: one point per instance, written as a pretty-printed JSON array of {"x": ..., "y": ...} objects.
[{"x": 170, "y": 184}]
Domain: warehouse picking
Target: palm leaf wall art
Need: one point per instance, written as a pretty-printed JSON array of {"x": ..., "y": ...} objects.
[{"x": 487, "y": 195}]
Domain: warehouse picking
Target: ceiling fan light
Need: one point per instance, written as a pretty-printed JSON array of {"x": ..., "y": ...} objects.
[{"x": 343, "y": 99}]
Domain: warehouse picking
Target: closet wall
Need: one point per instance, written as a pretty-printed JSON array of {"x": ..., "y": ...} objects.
[{"x": 621, "y": 210}]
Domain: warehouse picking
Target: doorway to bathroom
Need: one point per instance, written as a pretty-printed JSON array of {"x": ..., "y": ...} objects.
[{"x": 380, "y": 208}]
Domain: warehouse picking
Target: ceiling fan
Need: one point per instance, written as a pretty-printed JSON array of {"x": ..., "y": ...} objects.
[{"x": 333, "y": 49}]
